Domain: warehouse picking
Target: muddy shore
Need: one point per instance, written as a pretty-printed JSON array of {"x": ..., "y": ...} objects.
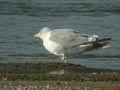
[{"x": 56, "y": 76}]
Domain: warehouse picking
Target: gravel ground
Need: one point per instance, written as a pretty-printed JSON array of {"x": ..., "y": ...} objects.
[
  {"x": 56, "y": 76},
  {"x": 58, "y": 85}
]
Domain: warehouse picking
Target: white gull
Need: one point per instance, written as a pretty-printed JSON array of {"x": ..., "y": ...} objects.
[{"x": 65, "y": 42}]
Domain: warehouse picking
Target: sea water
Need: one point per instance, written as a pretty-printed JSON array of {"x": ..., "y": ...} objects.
[{"x": 21, "y": 19}]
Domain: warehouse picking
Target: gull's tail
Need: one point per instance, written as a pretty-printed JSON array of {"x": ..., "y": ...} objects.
[
  {"x": 100, "y": 43},
  {"x": 94, "y": 43}
]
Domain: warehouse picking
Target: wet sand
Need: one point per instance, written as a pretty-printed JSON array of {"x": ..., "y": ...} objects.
[{"x": 56, "y": 76}]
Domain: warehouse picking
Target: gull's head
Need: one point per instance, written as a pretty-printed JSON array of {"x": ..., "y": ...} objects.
[{"x": 43, "y": 32}]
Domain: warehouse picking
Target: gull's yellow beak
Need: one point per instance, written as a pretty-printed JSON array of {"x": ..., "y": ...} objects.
[{"x": 36, "y": 36}]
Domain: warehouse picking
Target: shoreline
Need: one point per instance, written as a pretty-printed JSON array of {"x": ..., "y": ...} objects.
[
  {"x": 58, "y": 85},
  {"x": 56, "y": 76}
]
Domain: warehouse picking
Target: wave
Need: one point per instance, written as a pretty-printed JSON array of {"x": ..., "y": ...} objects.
[
  {"x": 52, "y": 9},
  {"x": 52, "y": 56}
]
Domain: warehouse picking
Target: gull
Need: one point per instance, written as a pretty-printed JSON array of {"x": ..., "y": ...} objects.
[{"x": 66, "y": 42}]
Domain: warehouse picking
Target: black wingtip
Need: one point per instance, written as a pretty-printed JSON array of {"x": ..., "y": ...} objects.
[{"x": 105, "y": 39}]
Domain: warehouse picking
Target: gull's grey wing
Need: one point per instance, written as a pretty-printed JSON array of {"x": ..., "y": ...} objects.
[{"x": 68, "y": 38}]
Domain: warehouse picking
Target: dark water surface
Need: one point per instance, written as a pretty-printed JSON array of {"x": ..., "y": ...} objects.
[{"x": 21, "y": 19}]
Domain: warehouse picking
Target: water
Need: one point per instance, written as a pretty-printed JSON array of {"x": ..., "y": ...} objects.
[{"x": 21, "y": 19}]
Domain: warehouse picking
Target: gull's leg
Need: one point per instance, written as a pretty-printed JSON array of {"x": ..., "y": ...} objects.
[{"x": 63, "y": 57}]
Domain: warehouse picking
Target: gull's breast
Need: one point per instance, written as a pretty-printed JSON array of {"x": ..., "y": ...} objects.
[{"x": 53, "y": 47}]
